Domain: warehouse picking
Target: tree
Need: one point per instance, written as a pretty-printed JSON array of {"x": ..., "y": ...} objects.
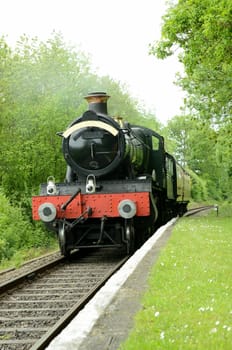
[
  {"x": 178, "y": 131},
  {"x": 201, "y": 31},
  {"x": 196, "y": 146},
  {"x": 41, "y": 91}
]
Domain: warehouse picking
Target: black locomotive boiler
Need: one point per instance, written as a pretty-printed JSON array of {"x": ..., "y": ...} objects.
[{"x": 120, "y": 183}]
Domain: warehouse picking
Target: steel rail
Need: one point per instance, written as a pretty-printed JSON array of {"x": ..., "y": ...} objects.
[
  {"x": 193, "y": 211},
  {"x": 27, "y": 276},
  {"x": 30, "y": 304},
  {"x": 63, "y": 322}
]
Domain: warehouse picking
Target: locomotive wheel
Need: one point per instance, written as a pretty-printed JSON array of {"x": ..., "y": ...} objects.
[
  {"x": 130, "y": 237},
  {"x": 62, "y": 240}
]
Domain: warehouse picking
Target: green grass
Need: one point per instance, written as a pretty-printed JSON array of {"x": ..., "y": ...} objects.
[
  {"x": 23, "y": 255},
  {"x": 189, "y": 301}
]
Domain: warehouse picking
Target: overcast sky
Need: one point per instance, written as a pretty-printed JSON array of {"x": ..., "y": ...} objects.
[{"x": 116, "y": 34}]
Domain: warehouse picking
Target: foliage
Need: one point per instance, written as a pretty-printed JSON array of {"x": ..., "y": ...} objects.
[
  {"x": 199, "y": 190},
  {"x": 195, "y": 146},
  {"x": 38, "y": 97},
  {"x": 42, "y": 91},
  {"x": 121, "y": 104},
  {"x": 225, "y": 209},
  {"x": 16, "y": 232},
  {"x": 201, "y": 32},
  {"x": 26, "y": 254}
]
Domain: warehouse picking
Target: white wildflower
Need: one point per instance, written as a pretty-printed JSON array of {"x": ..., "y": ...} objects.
[
  {"x": 162, "y": 335},
  {"x": 213, "y": 330},
  {"x": 207, "y": 308},
  {"x": 217, "y": 323},
  {"x": 202, "y": 309},
  {"x": 157, "y": 313}
]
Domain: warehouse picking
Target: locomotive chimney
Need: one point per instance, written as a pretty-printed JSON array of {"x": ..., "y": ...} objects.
[{"x": 97, "y": 102}]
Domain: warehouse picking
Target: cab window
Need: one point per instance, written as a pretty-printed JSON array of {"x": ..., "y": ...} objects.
[{"x": 155, "y": 143}]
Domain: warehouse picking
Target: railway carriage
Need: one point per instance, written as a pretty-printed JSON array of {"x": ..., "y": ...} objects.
[{"x": 120, "y": 184}]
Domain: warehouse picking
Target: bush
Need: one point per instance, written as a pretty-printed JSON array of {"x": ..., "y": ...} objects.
[
  {"x": 199, "y": 187},
  {"x": 16, "y": 232},
  {"x": 225, "y": 209}
]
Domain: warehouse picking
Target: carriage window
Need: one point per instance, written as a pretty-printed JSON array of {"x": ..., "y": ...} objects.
[{"x": 155, "y": 143}]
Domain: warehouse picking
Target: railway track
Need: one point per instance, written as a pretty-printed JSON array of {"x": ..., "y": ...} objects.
[
  {"x": 197, "y": 210},
  {"x": 12, "y": 272},
  {"x": 39, "y": 300},
  {"x": 37, "y": 305}
]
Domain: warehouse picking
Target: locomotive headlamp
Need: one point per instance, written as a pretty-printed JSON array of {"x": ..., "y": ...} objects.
[
  {"x": 90, "y": 184},
  {"x": 127, "y": 209},
  {"x": 47, "y": 212},
  {"x": 51, "y": 187}
]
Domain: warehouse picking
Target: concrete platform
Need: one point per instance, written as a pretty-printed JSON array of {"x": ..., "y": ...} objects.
[{"x": 107, "y": 320}]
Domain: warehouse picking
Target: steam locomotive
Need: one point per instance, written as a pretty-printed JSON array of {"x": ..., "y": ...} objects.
[{"x": 120, "y": 184}]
